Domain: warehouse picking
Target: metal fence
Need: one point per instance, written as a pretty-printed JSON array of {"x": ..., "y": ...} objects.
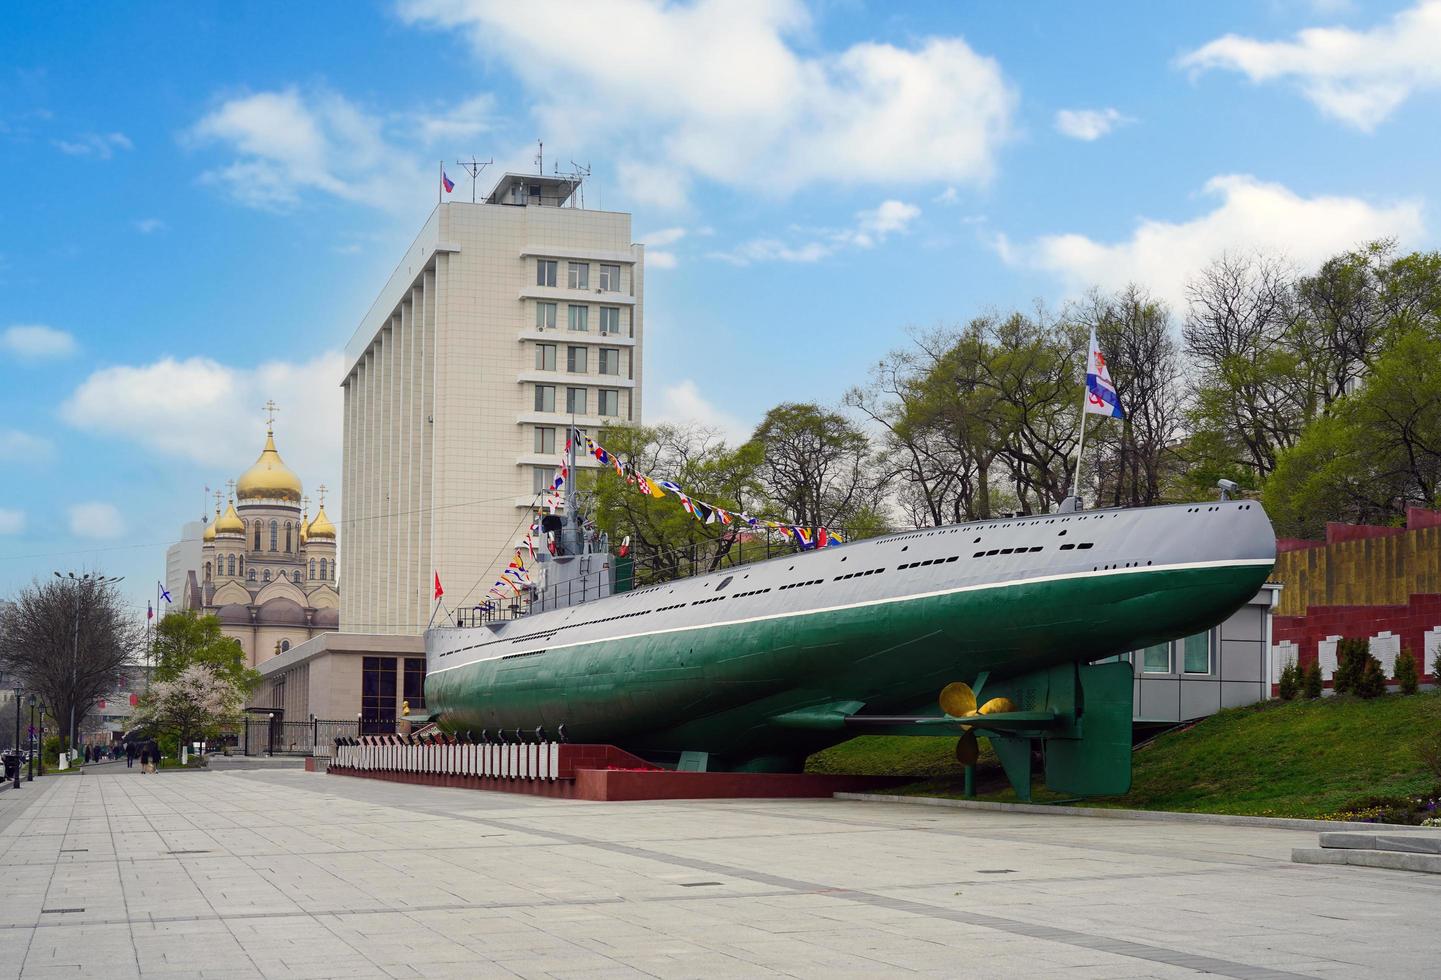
[{"x": 261, "y": 735}]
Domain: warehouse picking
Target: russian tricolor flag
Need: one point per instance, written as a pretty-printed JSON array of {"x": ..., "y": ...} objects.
[{"x": 447, "y": 182}]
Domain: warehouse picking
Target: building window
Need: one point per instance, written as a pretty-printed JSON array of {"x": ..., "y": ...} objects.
[
  {"x": 610, "y": 320},
  {"x": 545, "y": 316},
  {"x": 323, "y": 577},
  {"x": 545, "y": 272},
  {"x": 257, "y": 536},
  {"x": 207, "y": 571},
  {"x": 544, "y": 439},
  {"x": 540, "y": 479},
  {"x": 1196, "y": 653},
  {"x": 545, "y": 398},
  {"x": 230, "y": 565},
  {"x": 579, "y": 317},
  {"x": 545, "y": 357},
  {"x": 312, "y": 568},
  {"x": 609, "y": 401},
  {"x": 284, "y": 646},
  {"x": 575, "y": 401},
  {"x": 576, "y": 360},
  {"x": 377, "y": 696},
  {"x": 266, "y": 576},
  {"x": 1156, "y": 659},
  {"x": 610, "y": 360},
  {"x": 287, "y": 537},
  {"x": 242, "y": 564},
  {"x": 578, "y": 276},
  {"x": 251, "y": 575},
  {"x": 274, "y": 535},
  {"x": 610, "y": 278},
  {"x": 415, "y": 682}
]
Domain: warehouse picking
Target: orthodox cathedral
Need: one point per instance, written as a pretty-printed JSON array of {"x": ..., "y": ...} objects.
[{"x": 267, "y": 568}]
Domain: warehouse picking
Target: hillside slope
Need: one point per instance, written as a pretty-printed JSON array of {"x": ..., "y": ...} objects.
[{"x": 1295, "y": 759}]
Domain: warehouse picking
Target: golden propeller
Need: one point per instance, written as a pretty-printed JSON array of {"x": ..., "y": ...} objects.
[{"x": 959, "y": 701}]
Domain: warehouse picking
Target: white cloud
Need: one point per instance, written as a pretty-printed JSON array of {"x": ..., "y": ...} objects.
[
  {"x": 656, "y": 258},
  {"x": 1358, "y": 77},
  {"x": 872, "y": 226},
  {"x": 718, "y": 89},
  {"x": 37, "y": 342},
  {"x": 288, "y": 143},
  {"x": 683, "y": 404},
  {"x": 148, "y": 226},
  {"x": 96, "y": 520},
  {"x": 948, "y": 197},
  {"x": 663, "y": 237},
  {"x": 11, "y": 521},
  {"x": 22, "y": 447},
  {"x": 465, "y": 121},
  {"x": 1089, "y": 124},
  {"x": 209, "y": 413},
  {"x": 1163, "y": 255},
  {"x": 100, "y": 145}
]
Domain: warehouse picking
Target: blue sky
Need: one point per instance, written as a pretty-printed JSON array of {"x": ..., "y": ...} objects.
[{"x": 200, "y": 200}]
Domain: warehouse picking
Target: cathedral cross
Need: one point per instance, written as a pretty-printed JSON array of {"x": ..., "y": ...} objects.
[
  {"x": 231, "y": 485},
  {"x": 270, "y": 409},
  {"x": 322, "y": 489}
]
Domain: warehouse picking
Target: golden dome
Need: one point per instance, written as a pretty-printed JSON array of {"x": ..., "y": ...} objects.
[
  {"x": 304, "y": 525},
  {"x": 230, "y": 523},
  {"x": 209, "y": 534},
  {"x": 269, "y": 478},
  {"x": 321, "y": 526}
]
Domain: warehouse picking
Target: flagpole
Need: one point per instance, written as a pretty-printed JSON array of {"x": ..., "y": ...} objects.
[
  {"x": 1080, "y": 448},
  {"x": 439, "y": 183}
]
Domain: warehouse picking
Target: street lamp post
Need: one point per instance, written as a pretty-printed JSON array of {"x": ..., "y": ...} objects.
[
  {"x": 18, "y": 692},
  {"x": 42, "y": 740},
  {"x": 270, "y": 734},
  {"x": 30, "y": 762}
]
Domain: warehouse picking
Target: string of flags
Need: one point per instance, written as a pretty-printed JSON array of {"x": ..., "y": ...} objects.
[{"x": 708, "y": 513}]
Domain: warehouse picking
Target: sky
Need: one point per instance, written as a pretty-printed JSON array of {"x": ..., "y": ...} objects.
[{"x": 199, "y": 200}]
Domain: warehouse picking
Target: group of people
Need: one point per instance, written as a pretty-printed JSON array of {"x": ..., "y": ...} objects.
[
  {"x": 101, "y": 753},
  {"x": 147, "y": 752}
]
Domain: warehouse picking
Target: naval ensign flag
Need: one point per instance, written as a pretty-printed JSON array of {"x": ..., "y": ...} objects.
[{"x": 1098, "y": 397}]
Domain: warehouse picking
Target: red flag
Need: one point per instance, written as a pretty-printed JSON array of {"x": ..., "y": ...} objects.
[{"x": 438, "y": 590}]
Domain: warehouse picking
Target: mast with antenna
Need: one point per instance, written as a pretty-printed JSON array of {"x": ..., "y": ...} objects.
[{"x": 474, "y": 167}]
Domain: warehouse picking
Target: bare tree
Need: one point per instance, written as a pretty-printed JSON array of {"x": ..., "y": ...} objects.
[
  {"x": 817, "y": 465},
  {"x": 1137, "y": 455},
  {"x": 69, "y": 641}
]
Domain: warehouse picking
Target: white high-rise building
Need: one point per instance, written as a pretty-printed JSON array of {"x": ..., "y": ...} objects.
[
  {"x": 503, "y": 321},
  {"x": 182, "y": 558}
]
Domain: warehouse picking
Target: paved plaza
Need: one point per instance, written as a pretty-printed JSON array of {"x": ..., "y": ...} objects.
[{"x": 293, "y": 874}]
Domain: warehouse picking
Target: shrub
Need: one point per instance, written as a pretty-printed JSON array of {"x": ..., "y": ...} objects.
[
  {"x": 1407, "y": 677},
  {"x": 1311, "y": 683},
  {"x": 1351, "y": 654},
  {"x": 1290, "y": 683},
  {"x": 1428, "y": 750},
  {"x": 1372, "y": 683}
]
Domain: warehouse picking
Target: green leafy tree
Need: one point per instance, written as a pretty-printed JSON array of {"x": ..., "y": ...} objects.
[
  {"x": 1312, "y": 683},
  {"x": 1290, "y": 684},
  {"x": 183, "y": 639},
  {"x": 1377, "y": 451},
  {"x": 815, "y": 465},
  {"x": 1372, "y": 682},
  {"x": 1408, "y": 679},
  {"x": 665, "y": 540}
]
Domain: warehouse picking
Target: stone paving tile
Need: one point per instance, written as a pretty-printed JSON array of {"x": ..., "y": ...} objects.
[{"x": 288, "y": 874}]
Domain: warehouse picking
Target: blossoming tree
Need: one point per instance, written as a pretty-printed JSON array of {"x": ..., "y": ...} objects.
[{"x": 193, "y": 703}]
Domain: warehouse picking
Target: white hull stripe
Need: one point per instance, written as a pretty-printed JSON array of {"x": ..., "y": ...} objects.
[{"x": 1180, "y": 567}]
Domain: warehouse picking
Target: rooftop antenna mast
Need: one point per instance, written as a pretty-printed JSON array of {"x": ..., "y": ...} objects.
[
  {"x": 540, "y": 158},
  {"x": 474, "y": 167},
  {"x": 578, "y": 176}
]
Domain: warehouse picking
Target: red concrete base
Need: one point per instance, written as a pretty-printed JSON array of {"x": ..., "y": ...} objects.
[{"x": 660, "y": 784}]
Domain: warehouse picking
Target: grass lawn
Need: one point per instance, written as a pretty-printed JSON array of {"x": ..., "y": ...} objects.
[{"x": 1284, "y": 759}]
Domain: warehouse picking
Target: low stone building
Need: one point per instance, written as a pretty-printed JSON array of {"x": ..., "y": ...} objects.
[{"x": 346, "y": 677}]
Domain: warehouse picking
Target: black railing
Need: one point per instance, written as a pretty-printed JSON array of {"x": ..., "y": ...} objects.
[{"x": 264, "y": 736}]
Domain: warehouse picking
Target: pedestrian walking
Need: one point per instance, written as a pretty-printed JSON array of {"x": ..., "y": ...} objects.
[
  {"x": 87, "y": 754},
  {"x": 129, "y": 755},
  {"x": 144, "y": 758}
]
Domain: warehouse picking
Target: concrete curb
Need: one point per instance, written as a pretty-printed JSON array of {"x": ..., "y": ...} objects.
[
  {"x": 1387, "y": 860},
  {"x": 1159, "y": 816}
]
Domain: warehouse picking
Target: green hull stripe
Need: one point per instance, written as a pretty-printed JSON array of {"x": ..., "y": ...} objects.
[{"x": 1036, "y": 580}]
